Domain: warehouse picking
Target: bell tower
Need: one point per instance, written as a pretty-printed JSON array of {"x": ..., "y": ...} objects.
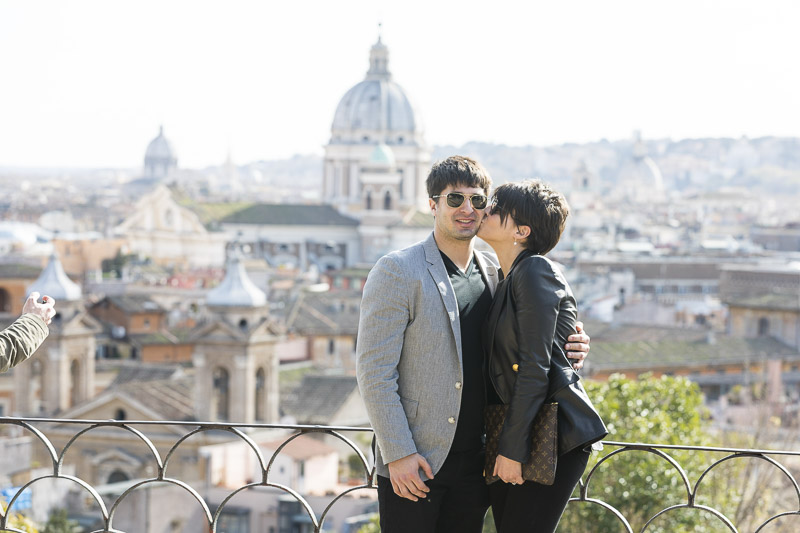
[
  {"x": 235, "y": 362},
  {"x": 61, "y": 373}
]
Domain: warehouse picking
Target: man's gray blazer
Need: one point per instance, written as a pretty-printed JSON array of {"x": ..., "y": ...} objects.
[{"x": 408, "y": 354}]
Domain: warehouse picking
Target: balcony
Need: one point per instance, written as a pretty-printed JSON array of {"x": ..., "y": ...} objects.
[{"x": 198, "y": 491}]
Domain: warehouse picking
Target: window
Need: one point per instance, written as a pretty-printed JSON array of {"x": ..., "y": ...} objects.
[
  {"x": 75, "y": 375},
  {"x": 260, "y": 395},
  {"x": 331, "y": 346},
  {"x": 763, "y": 326},
  {"x": 119, "y": 414},
  {"x": 234, "y": 520},
  {"x": 219, "y": 398},
  {"x": 5, "y": 301},
  {"x": 387, "y": 201},
  {"x": 117, "y": 476}
]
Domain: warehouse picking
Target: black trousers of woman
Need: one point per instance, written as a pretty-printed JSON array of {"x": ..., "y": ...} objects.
[{"x": 535, "y": 508}]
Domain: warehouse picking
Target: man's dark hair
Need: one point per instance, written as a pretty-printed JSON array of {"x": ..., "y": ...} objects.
[
  {"x": 537, "y": 205},
  {"x": 457, "y": 170}
]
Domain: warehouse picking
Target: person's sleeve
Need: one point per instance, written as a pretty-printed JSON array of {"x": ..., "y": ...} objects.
[
  {"x": 385, "y": 314},
  {"x": 537, "y": 294},
  {"x": 19, "y": 340}
]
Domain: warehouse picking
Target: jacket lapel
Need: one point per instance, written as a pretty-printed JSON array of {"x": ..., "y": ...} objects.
[
  {"x": 491, "y": 321},
  {"x": 438, "y": 272},
  {"x": 497, "y": 305},
  {"x": 489, "y": 271}
]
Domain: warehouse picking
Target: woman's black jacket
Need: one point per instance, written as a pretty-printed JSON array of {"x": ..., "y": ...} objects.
[{"x": 532, "y": 315}]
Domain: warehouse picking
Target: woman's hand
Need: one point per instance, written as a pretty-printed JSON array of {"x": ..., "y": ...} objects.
[{"x": 509, "y": 470}]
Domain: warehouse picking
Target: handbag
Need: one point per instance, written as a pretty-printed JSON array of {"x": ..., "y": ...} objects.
[{"x": 541, "y": 464}]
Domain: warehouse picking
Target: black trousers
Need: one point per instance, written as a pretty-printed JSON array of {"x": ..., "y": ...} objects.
[
  {"x": 535, "y": 508},
  {"x": 457, "y": 501}
]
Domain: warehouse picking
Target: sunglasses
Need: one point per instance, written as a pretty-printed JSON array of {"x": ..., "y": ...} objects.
[{"x": 455, "y": 199}]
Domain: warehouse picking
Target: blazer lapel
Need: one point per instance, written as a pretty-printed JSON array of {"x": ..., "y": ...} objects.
[
  {"x": 491, "y": 321},
  {"x": 489, "y": 271},
  {"x": 438, "y": 272}
]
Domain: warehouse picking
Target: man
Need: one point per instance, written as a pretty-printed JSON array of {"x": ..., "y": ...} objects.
[
  {"x": 24, "y": 336},
  {"x": 420, "y": 362}
]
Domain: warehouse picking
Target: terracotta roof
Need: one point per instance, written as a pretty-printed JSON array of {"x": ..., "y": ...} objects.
[
  {"x": 417, "y": 219},
  {"x": 318, "y": 399},
  {"x": 662, "y": 269},
  {"x": 173, "y": 399},
  {"x": 300, "y": 448},
  {"x": 289, "y": 215},
  {"x": 135, "y": 304},
  {"x": 136, "y": 372},
  {"x": 325, "y": 313},
  {"x": 15, "y": 270},
  {"x": 665, "y": 352},
  {"x": 778, "y": 302}
]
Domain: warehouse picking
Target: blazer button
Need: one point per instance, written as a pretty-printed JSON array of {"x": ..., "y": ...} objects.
[
  {"x": 515, "y": 367},
  {"x": 452, "y": 420},
  {"x": 458, "y": 385}
]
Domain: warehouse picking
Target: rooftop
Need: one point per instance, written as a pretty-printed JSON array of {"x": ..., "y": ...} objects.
[{"x": 289, "y": 215}]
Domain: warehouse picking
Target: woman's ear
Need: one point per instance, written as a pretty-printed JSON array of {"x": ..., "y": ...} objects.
[{"x": 523, "y": 231}]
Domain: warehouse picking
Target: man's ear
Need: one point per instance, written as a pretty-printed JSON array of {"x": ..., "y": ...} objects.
[
  {"x": 432, "y": 204},
  {"x": 523, "y": 231}
]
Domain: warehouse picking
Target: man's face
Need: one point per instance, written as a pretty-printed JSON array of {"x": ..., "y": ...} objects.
[{"x": 458, "y": 223}]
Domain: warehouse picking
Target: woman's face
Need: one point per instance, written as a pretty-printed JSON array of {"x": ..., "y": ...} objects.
[{"x": 492, "y": 230}]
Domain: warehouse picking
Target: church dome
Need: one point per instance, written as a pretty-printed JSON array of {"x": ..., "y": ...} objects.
[
  {"x": 236, "y": 290},
  {"x": 640, "y": 176},
  {"x": 53, "y": 281},
  {"x": 382, "y": 156},
  {"x": 376, "y": 109},
  {"x": 160, "y": 156}
]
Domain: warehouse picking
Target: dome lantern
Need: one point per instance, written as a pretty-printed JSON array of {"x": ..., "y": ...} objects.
[{"x": 379, "y": 62}]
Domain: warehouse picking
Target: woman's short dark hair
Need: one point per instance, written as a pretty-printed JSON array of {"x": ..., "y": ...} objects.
[
  {"x": 537, "y": 205},
  {"x": 454, "y": 171}
]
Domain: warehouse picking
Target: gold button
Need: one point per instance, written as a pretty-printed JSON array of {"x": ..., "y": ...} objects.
[
  {"x": 458, "y": 385},
  {"x": 452, "y": 420},
  {"x": 515, "y": 367}
]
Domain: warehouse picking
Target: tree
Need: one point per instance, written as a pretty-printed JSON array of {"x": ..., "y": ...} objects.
[
  {"x": 666, "y": 410},
  {"x": 58, "y": 522},
  {"x": 374, "y": 526}
]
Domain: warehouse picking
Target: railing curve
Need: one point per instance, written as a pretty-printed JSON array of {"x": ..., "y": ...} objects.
[{"x": 41, "y": 427}]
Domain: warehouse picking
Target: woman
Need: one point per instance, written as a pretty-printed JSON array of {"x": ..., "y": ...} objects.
[{"x": 532, "y": 315}]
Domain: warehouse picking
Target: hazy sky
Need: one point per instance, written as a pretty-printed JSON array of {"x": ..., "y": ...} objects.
[{"x": 87, "y": 83}]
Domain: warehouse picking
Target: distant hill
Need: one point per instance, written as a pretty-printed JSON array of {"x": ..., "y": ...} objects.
[{"x": 767, "y": 164}]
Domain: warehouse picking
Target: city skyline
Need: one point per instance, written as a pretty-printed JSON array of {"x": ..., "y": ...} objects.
[{"x": 92, "y": 82}]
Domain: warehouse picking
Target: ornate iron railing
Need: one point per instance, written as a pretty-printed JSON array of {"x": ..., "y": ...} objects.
[{"x": 38, "y": 428}]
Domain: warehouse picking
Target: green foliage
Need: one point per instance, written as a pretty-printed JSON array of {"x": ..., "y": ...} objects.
[
  {"x": 113, "y": 267},
  {"x": 666, "y": 410},
  {"x": 59, "y": 523},
  {"x": 374, "y": 526}
]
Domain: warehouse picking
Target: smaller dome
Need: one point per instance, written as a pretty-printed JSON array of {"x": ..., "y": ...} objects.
[
  {"x": 236, "y": 290},
  {"x": 53, "y": 281},
  {"x": 160, "y": 157},
  {"x": 161, "y": 148},
  {"x": 382, "y": 155}
]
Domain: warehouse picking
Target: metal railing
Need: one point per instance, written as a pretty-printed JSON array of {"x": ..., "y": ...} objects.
[{"x": 37, "y": 428}]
